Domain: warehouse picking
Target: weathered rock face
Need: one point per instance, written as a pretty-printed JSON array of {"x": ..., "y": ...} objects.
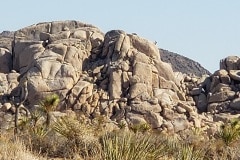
[
  {"x": 118, "y": 75},
  {"x": 52, "y": 56},
  {"x": 218, "y": 93}
]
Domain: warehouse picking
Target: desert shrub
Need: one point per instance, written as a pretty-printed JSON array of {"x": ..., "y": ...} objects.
[
  {"x": 226, "y": 142},
  {"x": 134, "y": 146},
  {"x": 80, "y": 137},
  {"x": 190, "y": 152},
  {"x": 141, "y": 127},
  {"x": 229, "y": 132}
]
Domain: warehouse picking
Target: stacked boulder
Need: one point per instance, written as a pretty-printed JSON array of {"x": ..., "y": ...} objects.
[
  {"x": 218, "y": 94},
  {"x": 117, "y": 75}
]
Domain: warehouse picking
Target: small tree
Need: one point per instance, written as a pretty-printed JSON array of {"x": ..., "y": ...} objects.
[{"x": 48, "y": 105}]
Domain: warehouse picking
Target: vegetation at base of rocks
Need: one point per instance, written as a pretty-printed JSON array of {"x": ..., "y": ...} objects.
[
  {"x": 49, "y": 104},
  {"x": 129, "y": 145},
  {"x": 230, "y": 132},
  {"x": 69, "y": 137},
  {"x": 141, "y": 127},
  {"x": 12, "y": 148}
]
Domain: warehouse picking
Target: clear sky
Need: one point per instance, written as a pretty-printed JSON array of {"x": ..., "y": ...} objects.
[{"x": 204, "y": 30}]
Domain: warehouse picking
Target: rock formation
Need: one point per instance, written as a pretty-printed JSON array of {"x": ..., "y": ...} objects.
[{"x": 118, "y": 75}]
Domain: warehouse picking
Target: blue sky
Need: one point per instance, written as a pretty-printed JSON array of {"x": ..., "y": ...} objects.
[{"x": 205, "y": 30}]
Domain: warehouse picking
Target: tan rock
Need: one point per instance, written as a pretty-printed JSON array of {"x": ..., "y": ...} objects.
[
  {"x": 164, "y": 70},
  {"x": 235, "y": 74},
  {"x": 115, "y": 86},
  {"x": 134, "y": 119},
  {"x": 143, "y": 71},
  {"x": 180, "y": 110},
  {"x": 25, "y": 52},
  {"x": 146, "y": 107},
  {"x": 5, "y": 60},
  {"x": 235, "y": 104},
  {"x": 185, "y": 106},
  {"x": 125, "y": 66},
  {"x": 155, "y": 80},
  {"x": 181, "y": 96},
  {"x": 154, "y": 119},
  {"x": 229, "y": 63},
  {"x": 33, "y": 32},
  {"x": 180, "y": 123},
  {"x": 125, "y": 45},
  {"x": 220, "y": 73},
  {"x": 165, "y": 96},
  {"x": 168, "y": 113},
  {"x": 58, "y": 48},
  {"x": 119, "y": 42},
  {"x": 221, "y": 96},
  {"x": 137, "y": 89},
  {"x": 166, "y": 84},
  {"x": 82, "y": 87},
  {"x": 197, "y": 122},
  {"x": 80, "y": 34},
  {"x": 168, "y": 126},
  {"x": 224, "y": 117},
  {"x": 5, "y": 107},
  {"x": 144, "y": 46},
  {"x": 58, "y": 26},
  {"x": 141, "y": 58},
  {"x": 153, "y": 101},
  {"x": 125, "y": 80},
  {"x": 221, "y": 87},
  {"x": 134, "y": 79}
]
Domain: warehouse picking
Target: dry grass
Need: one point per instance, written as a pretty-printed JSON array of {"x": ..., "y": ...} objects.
[
  {"x": 14, "y": 149},
  {"x": 69, "y": 138}
]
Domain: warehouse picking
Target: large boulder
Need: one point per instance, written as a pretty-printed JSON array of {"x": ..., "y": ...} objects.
[{"x": 5, "y": 60}]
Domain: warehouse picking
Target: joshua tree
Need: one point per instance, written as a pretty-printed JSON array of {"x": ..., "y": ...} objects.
[
  {"x": 49, "y": 104},
  {"x": 19, "y": 105}
]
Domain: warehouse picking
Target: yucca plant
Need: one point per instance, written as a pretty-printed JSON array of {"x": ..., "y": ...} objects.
[
  {"x": 189, "y": 152},
  {"x": 80, "y": 136},
  {"x": 229, "y": 132},
  {"x": 48, "y": 105},
  {"x": 128, "y": 145},
  {"x": 141, "y": 127}
]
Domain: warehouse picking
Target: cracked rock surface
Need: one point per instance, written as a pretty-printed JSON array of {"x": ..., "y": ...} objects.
[{"x": 117, "y": 75}]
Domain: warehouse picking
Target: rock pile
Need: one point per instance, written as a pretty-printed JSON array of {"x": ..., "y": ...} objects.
[
  {"x": 219, "y": 93},
  {"x": 118, "y": 75}
]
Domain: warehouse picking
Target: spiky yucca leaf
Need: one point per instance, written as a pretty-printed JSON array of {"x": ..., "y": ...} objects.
[
  {"x": 128, "y": 145},
  {"x": 189, "y": 152},
  {"x": 229, "y": 132},
  {"x": 80, "y": 136},
  {"x": 50, "y": 102}
]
